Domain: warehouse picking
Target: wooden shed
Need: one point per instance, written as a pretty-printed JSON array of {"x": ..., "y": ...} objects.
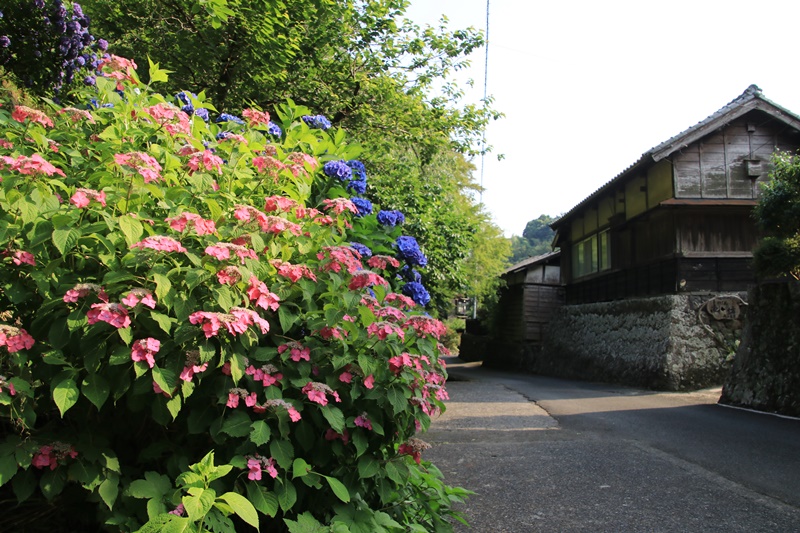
[
  {"x": 678, "y": 219},
  {"x": 533, "y": 290}
]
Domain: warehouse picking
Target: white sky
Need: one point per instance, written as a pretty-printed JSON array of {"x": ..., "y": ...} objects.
[{"x": 587, "y": 86}]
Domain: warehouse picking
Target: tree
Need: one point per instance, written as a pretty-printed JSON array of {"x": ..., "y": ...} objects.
[
  {"x": 778, "y": 216},
  {"x": 537, "y": 239}
]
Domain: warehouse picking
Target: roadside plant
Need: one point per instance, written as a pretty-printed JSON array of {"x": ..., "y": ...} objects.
[{"x": 201, "y": 330}]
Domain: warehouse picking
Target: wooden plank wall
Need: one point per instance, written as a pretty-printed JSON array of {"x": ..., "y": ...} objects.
[{"x": 540, "y": 302}]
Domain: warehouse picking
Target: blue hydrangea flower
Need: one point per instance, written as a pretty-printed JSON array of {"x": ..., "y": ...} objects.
[
  {"x": 363, "y": 205},
  {"x": 223, "y": 135},
  {"x": 391, "y": 218},
  {"x": 357, "y": 186},
  {"x": 406, "y": 273},
  {"x": 274, "y": 129},
  {"x": 358, "y": 168},
  {"x": 361, "y": 249},
  {"x": 337, "y": 169},
  {"x": 202, "y": 112},
  {"x": 417, "y": 292},
  {"x": 89, "y": 80},
  {"x": 317, "y": 121},
  {"x": 5, "y": 42},
  {"x": 409, "y": 250},
  {"x": 226, "y": 117}
]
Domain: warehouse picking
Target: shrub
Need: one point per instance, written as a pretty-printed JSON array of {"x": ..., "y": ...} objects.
[{"x": 192, "y": 339}]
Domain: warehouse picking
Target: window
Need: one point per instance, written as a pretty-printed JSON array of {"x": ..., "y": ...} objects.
[{"x": 591, "y": 255}]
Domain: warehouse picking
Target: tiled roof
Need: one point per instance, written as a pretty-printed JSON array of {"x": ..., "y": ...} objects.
[
  {"x": 532, "y": 261},
  {"x": 748, "y": 100}
]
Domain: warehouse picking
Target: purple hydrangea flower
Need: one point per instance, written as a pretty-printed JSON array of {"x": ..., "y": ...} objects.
[
  {"x": 363, "y": 205},
  {"x": 319, "y": 122},
  {"x": 5, "y": 42},
  {"x": 102, "y": 44},
  {"x": 226, "y": 117},
  {"x": 337, "y": 169},
  {"x": 410, "y": 252},
  {"x": 391, "y": 218},
  {"x": 361, "y": 249},
  {"x": 274, "y": 129}
]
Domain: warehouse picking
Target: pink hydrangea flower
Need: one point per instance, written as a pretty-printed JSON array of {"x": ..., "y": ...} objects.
[
  {"x": 369, "y": 381},
  {"x": 172, "y": 118},
  {"x": 76, "y": 115},
  {"x": 111, "y": 313},
  {"x": 332, "y": 332},
  {"x": 162, "y": 243},
  {"x": 317, "y": 392},
  {"x": 118, "y": 68},
  {"x": 267, "y": 374},
  {"x": 363, "y": 421},
  {"x": 332, "y": 435},
  {"x": 292, "y": 272},
  {"x": 5, "y": 384},
  {"x": 403, "y": 301},
  {"x": 425, "y": 325},
  {"x": 21, "y": 113},
  {"x": 21, "y": 256},
  {"x": 144, "y": 350},
  {"x": 81, "y": 290},
  {"x": 279, "y": 203},
  {"x": 382, "y": 262},
  {"x": 269, "y": 165},
  {"x": 83, "y": 197},
  {"x": 137, "y": 296},
  {"x": 255, "y": 117},
  {"x": 201, "y": 225},
  {"x": 364, "y": 279},
  {"x": 392, "y": 314},
  {"x": 205, "y": 160},
  {"x": 339, "y": 205},
  {"x": 229, "y": 275},
  {"x": 258, "y": 292},
  {"x": 49, "y": 455},
  {"x": 413, "y": 447},
  {"x": 222, "y": 251},
  {"x": 31, "y": 166},
  {"x": 383, "y": 329},
  {"x": 298, "y": 351},
  {"x": 336, "y": 258},
  {"x": 346, "y": 377},
  {"x": 146, "y": 165}
]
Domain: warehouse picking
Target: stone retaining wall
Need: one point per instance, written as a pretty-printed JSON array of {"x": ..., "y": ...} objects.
[
  {"x": 766, "y": 371},
  {"x": 675, "y": 342}
]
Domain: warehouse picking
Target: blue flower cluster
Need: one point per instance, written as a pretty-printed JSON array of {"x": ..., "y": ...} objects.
[
  {"x": 189, "y": 109},
  {"x": 391, "y": 218},
  {"x": 337, "y": 169},
  {"x": 227, "y": 117},
  {"x": 274, "y": 129},
  {"x": 318, "y": 122},
  {"x": 364, "y": 251},
  {"x": 358, "y": 182},
  {"x": 363, "y": 205},
  {"x": 417, "y": 292},
  {"x": 408, "y": 249}
]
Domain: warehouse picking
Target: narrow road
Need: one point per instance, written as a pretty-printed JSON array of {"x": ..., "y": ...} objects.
[{"x": 551, "y": 455}]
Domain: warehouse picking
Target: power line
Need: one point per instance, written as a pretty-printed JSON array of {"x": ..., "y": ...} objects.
[{"x": 485, "y": 94}]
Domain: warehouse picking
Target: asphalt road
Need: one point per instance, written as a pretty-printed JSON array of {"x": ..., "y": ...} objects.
[{"x": 551, "y": 455}]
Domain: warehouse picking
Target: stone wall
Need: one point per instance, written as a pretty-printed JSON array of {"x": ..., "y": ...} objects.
[
  {"x": 675, "y": 342},
  {"x": 766, "y": 371}
]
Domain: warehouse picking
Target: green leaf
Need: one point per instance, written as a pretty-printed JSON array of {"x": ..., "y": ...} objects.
[
  {"x": 163, "y": 321},
  {"x": 65, "y": 239},
  {"x": 174, "y": 406},
  {"x": 397, "y": 399},
  {"x": 143, "y": 489},
  {"x": 96, "y": 389},
  {"x": 108, "y": 490},
  {"x": 361, "y": 442},
  {"x": 368, "y": 466},
  {"x": 163, "y": 286},
  {"x": 338, "y": 488},
  {"x": 131, "y": 228},
  {"x": 287, "y": 318},
  {"x": 287, "y": 495},
  {"x": 242, "y": 507},
  {"x": 300, "y": 468},
  {"x": 306, "y": 523},
  {"x": 52, "y": 483},
  {"x": 265, "y": 502},
  {"x": 334, "y": 417},
  {"x": 157, "y": 74},
  {"x": 197, "y": 506},
  {"x": 65, "y": 395},
  {"x": 8, "y": 467},
  {"x": 283, "y": 452},
  {"x": 237, "y": 424},
  {"x": 259, "y": 432},
  {"x": 165, "y": 378}
]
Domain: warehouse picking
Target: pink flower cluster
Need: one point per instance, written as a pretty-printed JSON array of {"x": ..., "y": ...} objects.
[
  {"x": 144, "y": 350},
  {"x": 332, "y": 435},
  {"x": 22, "y": 257},
  {"x": 21, "y": 113},
  {"x": 140, "y": 296},
  {"x": 146, "y": 165},
  {"x": 205, "y": 160},
  {"x": 229, "y": 275},
  {"x": 82, "y": 290},
  {"x": 255, "y": 117},
  {"x": 407, "y": 360},
  {"x": 317, "y": 392},
  {"x": 30, "y": 166},
  {"x": 192, "y": 367},
  {"x": 363, "y": 421},
  {"x": 118, "y": 68},
  {"x": 381, "y": 261},
  {"x": 339, "y": 205},
  {"x": 269, "y": 165},
  {"x": 292, "y": 272},
  {"x": 257, "y": 464},
  {"x": 392, "y": 314},
  {"x": 4, "y": 383},
  {"x": 332, "y": 332},
  {"x": 172, "y": 118},
  {"x": 279, "y": 203},
  {"x": 403, "y": 301},
  {"x": 297, "y": 351},
  {"x": 82, "y": 197},
  {"x": 413, "y": 447},
  {"x": 201, "y": 225},
  {"x": 339, "y": 257},
  {"x": 300, "y": 160},
  {"x": 258, "y": 292},
  {"x": 366, "y": 278},
  {"x": 111, "y": 313},
  {"x": 222, "y": 251},
  {"x": 266, "y": 374},
  {"x": 51, "y": 454},
  {"x": 15, "y": 339},
  {"x": 236, "y": 322},
  {"x": 161, "y": 243},
  {"x": 383, "y": 329},
  {"x": 425, "y": 325},
  {"x": 77, "y": 114}
]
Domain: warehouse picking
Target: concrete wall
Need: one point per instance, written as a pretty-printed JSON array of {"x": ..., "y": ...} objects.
[
  {"x": 766, "y": 371},
  {"x": 676, "y": 342}
]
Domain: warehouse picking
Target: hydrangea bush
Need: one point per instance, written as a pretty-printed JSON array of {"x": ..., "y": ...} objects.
[{"x": 203, "y": 327}]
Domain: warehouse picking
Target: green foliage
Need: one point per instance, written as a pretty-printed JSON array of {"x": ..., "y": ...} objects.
[
  {"x": 179, "y": 354},
  {"x": 778, "y": 216},
  {"x": 537, "y": 239}
]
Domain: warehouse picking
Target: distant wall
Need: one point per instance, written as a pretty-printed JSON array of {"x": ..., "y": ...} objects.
[
  {"x": 766, "y": 371},
  {"x": 675, "y": 342}
]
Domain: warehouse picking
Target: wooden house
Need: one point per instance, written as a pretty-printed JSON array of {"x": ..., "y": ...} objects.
[{"x": 678, "y": 219}]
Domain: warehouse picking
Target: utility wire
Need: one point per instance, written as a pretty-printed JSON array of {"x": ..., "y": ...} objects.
[{"x": 485, "y": 94}]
